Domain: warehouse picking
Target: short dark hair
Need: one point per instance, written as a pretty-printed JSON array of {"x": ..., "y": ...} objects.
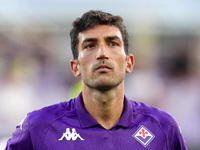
[{"x": 91, "y": 19}]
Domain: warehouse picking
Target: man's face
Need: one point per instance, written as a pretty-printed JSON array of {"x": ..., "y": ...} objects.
[{"x": 102, "y": 61}]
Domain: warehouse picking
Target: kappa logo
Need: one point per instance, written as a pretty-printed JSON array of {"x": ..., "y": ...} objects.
[
  {"x": 143, "y": 135},
  {"x": 70, "y": 135}
]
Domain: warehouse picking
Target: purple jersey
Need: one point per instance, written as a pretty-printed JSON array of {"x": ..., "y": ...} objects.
[{"x": 68, "y": 126}]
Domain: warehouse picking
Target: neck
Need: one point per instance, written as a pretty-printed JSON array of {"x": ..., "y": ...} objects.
[{"x": 105, "y": 107}]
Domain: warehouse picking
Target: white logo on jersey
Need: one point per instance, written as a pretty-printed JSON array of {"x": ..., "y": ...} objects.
[
  {"x": 21, "y": 123},
  {"x": 70, "y": 135}
]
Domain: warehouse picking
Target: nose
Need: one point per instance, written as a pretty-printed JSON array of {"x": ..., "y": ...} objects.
[{"x": 102, "y": 52}]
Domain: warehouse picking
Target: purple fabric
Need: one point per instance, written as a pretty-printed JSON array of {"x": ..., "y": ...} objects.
[{"x": 68, "y": 126}]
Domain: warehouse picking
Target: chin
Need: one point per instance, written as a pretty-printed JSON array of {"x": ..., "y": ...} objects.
[
  {"x": 104, "y": 88},
  {"x": 103, "y": 84},
  {"x": 107, "y": 86}
]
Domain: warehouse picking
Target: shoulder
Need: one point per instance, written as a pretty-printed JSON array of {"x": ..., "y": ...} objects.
[
  {"x": 47, "y": 115},
  {"x": 163, "y": 118},
  {"x": 32, "y": 129},
  {"x": 153, "y": 118}
]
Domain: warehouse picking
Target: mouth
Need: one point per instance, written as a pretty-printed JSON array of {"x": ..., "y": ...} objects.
[{"x": 103, "y": 68}]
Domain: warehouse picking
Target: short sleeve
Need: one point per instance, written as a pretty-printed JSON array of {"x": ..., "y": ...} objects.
[
  {"x": 177, "y": 140},
  {"x": 21, "y": 139}
]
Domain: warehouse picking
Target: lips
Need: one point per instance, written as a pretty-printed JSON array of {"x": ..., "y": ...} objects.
[{"x": 103, "y": 67}]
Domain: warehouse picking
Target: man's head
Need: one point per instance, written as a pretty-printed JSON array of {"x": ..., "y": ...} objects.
[{"x": 89, "y": 20}]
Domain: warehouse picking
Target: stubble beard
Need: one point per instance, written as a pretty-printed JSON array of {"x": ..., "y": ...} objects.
[{"x": 104, "y": 83}]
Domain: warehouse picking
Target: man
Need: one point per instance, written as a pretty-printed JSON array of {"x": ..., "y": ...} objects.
[{"x": 101, "y": 117}]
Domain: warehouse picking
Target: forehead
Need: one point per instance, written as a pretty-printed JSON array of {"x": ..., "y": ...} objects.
[{"x": 100, "y": 31}]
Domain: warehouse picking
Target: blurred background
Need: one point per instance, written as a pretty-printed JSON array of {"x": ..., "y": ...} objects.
[{"x": 35, "y": 54}]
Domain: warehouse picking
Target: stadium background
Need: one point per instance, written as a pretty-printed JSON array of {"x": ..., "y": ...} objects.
[{"x": 35, "y": 54}]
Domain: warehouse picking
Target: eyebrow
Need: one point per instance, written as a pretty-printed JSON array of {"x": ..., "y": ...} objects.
[
  {"x": 95, "y": 39},
  {"x": 113, "y": 38},
  {"x": 89, "y": 40}
]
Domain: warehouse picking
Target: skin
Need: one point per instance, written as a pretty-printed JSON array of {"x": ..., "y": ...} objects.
[{"x": 102, "y": 65}]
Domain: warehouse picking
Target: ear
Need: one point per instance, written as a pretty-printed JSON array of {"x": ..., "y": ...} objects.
[
  {"x": 75, "y": 67},
  {"x": 129, "y": 63}
]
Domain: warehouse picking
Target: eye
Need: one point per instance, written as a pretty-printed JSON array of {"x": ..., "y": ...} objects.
[
  {"x": 89, "y": 46},
  {"x": 113, "y": 44}
]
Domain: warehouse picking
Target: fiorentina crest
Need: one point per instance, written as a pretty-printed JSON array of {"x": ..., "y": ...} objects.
[{"x": 143, "y": 135}]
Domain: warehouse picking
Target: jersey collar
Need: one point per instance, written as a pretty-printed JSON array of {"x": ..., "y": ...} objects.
[{"x": 86, "y": 120}]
